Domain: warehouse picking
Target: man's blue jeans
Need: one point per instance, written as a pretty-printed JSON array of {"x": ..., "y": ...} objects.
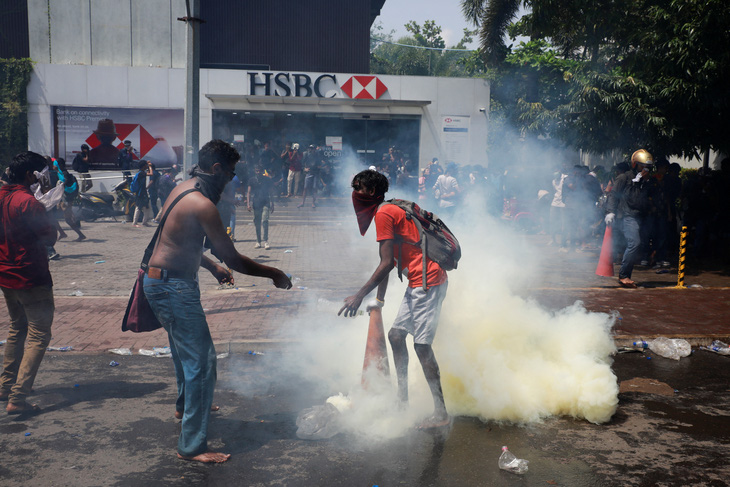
[
  {"x": 632, "y": 234},
  {"x": 176, "y": 303}
]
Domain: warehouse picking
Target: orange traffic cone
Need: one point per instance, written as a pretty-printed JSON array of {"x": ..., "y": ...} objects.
[
  {"x": 605, "y": 261},
  {"x": 376, "y": 352}
]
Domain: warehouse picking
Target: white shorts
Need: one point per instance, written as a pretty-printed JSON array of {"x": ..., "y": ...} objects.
[{"x": 419, "y": 312}]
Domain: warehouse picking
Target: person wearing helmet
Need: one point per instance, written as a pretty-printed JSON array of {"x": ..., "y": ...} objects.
[{"x": 628, "y": 204}]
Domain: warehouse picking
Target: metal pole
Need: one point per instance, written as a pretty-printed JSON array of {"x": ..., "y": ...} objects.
[
  {"x": 682, "y": 257},
  {"x": 192, "y": 85}
]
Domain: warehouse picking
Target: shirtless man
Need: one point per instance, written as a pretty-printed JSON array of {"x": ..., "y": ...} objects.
[
  {"x": 172, "y": 290},
  {"x": 419, "y": 311}
]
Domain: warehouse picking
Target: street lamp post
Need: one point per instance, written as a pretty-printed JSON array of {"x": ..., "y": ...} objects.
[{"x": 192, "y": 85}]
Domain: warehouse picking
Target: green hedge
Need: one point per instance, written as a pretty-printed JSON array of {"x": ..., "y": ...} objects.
[{"x": 14, "y": 79}]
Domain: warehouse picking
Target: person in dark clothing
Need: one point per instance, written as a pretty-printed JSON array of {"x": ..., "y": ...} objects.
[
  {"x": 153, "y": 186},
  {"x": 125, "y": 159},
  {"x": 80, "y": 164},
  {"x": 141, "y": 196},
  {"x": 630, "y": 200}
]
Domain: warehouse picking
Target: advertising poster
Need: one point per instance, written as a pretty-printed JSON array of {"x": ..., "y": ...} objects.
[
  {"x": 455, "y": 138},
  {"x": 157, "y": 135}
]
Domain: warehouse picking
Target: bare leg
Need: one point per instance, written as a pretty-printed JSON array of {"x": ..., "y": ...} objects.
[
  {"x": 397, "y": 340},
  {"x": 433, "y": 377},
  {"x": 208, "y": 457}
]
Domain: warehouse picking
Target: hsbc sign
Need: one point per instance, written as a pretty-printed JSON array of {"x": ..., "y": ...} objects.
[{"x": 323, "y": 86}]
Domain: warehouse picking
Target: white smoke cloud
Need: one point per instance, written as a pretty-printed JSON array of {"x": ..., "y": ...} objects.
[{"x": 502, "y": 356}]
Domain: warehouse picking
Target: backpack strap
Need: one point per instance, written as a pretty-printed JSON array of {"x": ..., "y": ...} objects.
[
  {"x": 151, "y": 247},
  {"x": 400, "y": 242}
]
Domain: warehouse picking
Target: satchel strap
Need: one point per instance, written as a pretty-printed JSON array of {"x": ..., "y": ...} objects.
[{"x": 151, "y": 247}]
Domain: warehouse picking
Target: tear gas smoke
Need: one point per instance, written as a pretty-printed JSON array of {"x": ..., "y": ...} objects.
[{"x": 502, "y": 356}]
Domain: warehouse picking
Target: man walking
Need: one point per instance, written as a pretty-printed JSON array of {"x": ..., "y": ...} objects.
[
  {"x": 420, "y": 309},
  {"x": 630, "y": 199},
  {"x": 172, "y": 289},
  {"x": 25, "y": 279}
]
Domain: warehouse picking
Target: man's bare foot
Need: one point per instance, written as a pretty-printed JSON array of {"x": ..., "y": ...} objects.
[
  {"x": 62, "y": 235},
  {"x": 627, "y": 283},
  {"x": 434, "y": 422},
  {"x": 80, "y": 238},
  {"x": 21, "y": 408},
  {"x": 208, "y": 457},
  {"x": 213, "y": 408}
]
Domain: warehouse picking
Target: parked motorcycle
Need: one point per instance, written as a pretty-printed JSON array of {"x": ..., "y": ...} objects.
[
  {"x": 96, "y": 205},
  {"x": 125, "y": 199}
]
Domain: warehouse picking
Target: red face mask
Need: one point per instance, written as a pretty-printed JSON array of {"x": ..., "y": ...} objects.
[{"x": 365, "y": 208}]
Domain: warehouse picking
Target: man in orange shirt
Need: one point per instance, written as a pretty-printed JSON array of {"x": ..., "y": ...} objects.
[{"x": 419, "y": 310}]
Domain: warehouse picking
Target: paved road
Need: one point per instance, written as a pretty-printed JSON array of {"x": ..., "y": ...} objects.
[{"x": 105, "y": 425}]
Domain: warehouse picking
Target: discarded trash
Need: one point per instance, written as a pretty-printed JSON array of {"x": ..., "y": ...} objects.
[
  {"x": 60, "y": 349},
  {"x": 268, "y": 295},
  {"x": 302, "y": 287},
  {"x": 288, "y": 251},
  {"x": 76, "y": 293},
  {"x": 76, "y": 385},
  {"x": 641, "y": 345},
  {"x": 718, "y": 347},
  {"x": 99, "y": 262},
  {"x": 629, "y": 350},
  {"x": 318, "y": 422},
  {"x": 509, "y": 462},
  {"x": 695, "y": 286},
  {"x": 27, "y": 434},
  {"x": 2, "y": 342},
  {"x": 255, "y": 301},
  {"x": 121, "y": 351},
  {"x": 673, "y": 348},
  {"x": 113, "y": 363},
  {"x": 226, "y": 285},
  {"x": 222, "y": 355},
  {"x": 254, "y": 352},
  {"x": 156, "y": 352},
  {"x": 663, "y": 271}
]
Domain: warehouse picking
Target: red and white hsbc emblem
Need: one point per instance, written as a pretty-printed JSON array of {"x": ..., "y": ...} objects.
[{"x": 364, "y": 87}]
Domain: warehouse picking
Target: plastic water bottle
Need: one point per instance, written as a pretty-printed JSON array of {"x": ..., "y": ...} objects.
[
  {"x": 509, "y": 462},
  {"x": 641, "y": 345}
]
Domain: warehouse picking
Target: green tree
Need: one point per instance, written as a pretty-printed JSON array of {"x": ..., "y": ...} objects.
[
  {"x": 14, "y": 79},
  {"x": 423, "y": 53},
  {"x": 647, "y": 73}
]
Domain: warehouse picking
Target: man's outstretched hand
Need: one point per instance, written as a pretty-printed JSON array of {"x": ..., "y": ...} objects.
[
  {"x": 281, "y": 280},
  {"x": 351, "y": 306},
  {"x": 222, "y": 275}
]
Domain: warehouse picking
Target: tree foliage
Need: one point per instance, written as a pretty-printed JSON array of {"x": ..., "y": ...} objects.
[
  {"x": 610, "y": 74},
  {"x": 14, "y": 79},
  {"x": 427, "y": 57}
]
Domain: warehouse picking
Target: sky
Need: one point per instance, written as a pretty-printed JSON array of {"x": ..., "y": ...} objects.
[{"x": 447, "y": 13}]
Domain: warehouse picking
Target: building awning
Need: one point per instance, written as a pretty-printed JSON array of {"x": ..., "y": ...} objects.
[{"x": 256, "y": 102}]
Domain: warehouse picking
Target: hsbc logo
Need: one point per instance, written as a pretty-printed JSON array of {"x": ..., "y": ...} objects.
[
  {"x": 364, "y": 87},
  {"x": 322, "y": 86},
  {"x": 448, "y": 120}
]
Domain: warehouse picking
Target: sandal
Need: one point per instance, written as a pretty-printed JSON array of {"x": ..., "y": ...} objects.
[{"x": 23, "y": 407}]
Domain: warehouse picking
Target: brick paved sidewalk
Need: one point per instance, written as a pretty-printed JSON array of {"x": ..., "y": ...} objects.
[{"x": 327, "y": 258}]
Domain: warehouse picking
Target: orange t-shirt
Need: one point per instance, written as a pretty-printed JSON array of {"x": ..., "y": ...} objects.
[{"x": 390, "y": 221}]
